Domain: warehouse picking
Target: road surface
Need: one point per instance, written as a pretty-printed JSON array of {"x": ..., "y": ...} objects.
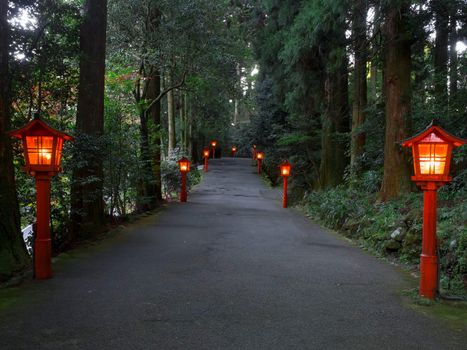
[{"x": 230, "y": 269}]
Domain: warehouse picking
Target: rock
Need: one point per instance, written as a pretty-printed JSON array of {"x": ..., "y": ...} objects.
[{"x": 398, "y": 234}]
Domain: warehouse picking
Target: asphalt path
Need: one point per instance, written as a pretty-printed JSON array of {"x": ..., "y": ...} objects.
[{"x": 230, "y": 269}]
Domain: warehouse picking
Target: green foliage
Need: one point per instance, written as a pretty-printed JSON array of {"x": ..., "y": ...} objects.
[{"x": 394, "y": 228}]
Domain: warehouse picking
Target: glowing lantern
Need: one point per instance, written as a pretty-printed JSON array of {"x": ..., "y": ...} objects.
[
  {"x": 213, "y": 145},
  {"x": 206, "y": 157},
  {"x": 184, "y": 165},
  {"x": 285, "y": 168},
  {"x": 259, "y": 158},
  {"x": 42, "y": 146},
  {"x": 432, "y": 150},
  {"x": 42, "y": 154},
  {"x": 234, "y": 150}
]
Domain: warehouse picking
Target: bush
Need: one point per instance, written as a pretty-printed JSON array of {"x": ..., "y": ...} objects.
[{"x": 394, "y": 228}]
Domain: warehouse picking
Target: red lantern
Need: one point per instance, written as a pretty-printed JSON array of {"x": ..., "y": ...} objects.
[
  {"x": 42, "y": 146},
  {"x": 213, "y": 145},
  {"x": 206, "y": 157},
  {"x": 184, "y": 165},
  {"x": 42, "y": 153},
  {"x": 432, "y": 150},
  {"x": 285, "y": 168},
  {"x": 234, "y": 150},
  {"x": 259, "y": 158}
]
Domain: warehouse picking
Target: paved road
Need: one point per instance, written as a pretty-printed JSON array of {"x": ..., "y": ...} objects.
[{"x": 230, "y": 269}]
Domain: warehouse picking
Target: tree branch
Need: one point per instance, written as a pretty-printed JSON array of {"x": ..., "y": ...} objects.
[{"x": 164, "y": 92}]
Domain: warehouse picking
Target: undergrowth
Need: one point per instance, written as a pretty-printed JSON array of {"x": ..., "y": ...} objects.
[{"x": 394, "y": 228}]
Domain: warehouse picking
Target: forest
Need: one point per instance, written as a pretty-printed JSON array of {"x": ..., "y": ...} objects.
[{"x": 334, "y": 86}]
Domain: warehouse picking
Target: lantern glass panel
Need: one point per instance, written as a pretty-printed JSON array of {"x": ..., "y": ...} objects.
[
  {"x": 285, "y": 171},
  {"x": 432, "y": 157},
  {"x": 40, "y": 149}
]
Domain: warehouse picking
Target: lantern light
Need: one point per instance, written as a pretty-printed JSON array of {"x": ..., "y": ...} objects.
[
  {"x": 259, "y": 155},
  {"x": 184, "y": 165},
  {"x": 234, "y": 149},
  {"x": 206, "y": 152},
  {"x": 213, "y": 143},
  {"x": 432, "y": 150},
  {"x": 285, "y": 168},
  {"x": 42, "y": 146}
]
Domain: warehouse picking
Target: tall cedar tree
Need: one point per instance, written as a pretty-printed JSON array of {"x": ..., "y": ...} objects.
[
  {"x": 441, "y": 12},
  {"x": 336, "y": 118},
  {"x": 87, "y": 203},
  {"x": 360, "y": 43},
  {"x": 397, "y": 68},
  {"x": 13, "y": 254}
]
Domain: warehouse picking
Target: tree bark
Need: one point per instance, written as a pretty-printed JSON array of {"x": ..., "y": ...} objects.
[
  {"x": 13, "y": 255},
  {"x": 87, "y": 208},
  {"x": 360, "y": 82},
  {"x": 453, "y": 78},
  {"x": 336, "y": 119},
  {"x": 171, "y": 121},
  {"x": 154, "y": 112},
  {"x": 397, "y": 69},
  {"x": 441, "y": 11}
]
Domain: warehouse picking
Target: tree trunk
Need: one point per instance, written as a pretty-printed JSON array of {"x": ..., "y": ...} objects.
[
  {"x": 13, "y": 256},
  {"x": 453, "y": 78},
  {"x": 360, "y": 83},
  {"x": 397, "y": 69},
  {"x": 335, "y": 121},
  {"x": 87, "y": 206},
  {"x": 154, "y": 113},
  {"x": 441, "y": 11},
  {"x": 171, "y": 120}
]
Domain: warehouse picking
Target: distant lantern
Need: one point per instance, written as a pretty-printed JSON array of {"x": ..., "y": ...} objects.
[
  {"x": 206, "y": 157},
  {"x": 432, "y": 150},
  {"x": 213, "y": 145},
  {"x": 42, "y": 146},
  {"x": 184, "y": 165},
  {"x": 285, "y": 168},
  {"x": 234, "y": 150},
  {"x": 259, "y": 158}
]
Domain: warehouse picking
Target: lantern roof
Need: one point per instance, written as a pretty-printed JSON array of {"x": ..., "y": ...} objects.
[
  {"x": 38, "y": 127},
  {"x": 434, "y": 134},
  {"x": 183, "y": 160}
]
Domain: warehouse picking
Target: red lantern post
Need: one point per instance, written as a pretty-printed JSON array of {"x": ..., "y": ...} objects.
[
  {"x": 432, "y": 150},
  {"x": 42, "y": 152},
  {"x": 253, "y": 152},
  {"x": 259, "y": 158},
  {"x": 234, "y": 150},
  {"x": 213, "y": 145},
  {"x": 184, "y": 165},
  {"x": 285, "y": 168},
  {"x": 206, "y": 158}
]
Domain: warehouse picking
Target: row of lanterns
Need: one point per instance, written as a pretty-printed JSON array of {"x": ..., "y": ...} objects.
[
  {"x": 285, "y": 170},
  {"x": 431, "y": 150}
]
